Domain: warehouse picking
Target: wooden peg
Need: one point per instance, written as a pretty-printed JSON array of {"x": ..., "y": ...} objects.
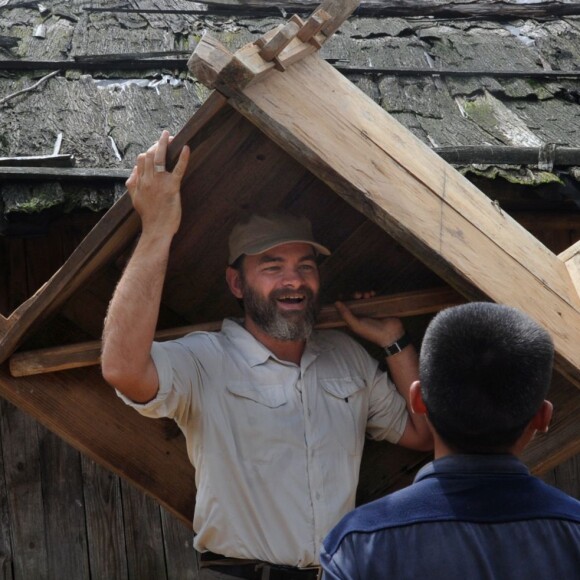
[
  {"x": 279, "y": 48},
  {"x": 313, "y": 26},
  {"x": 281, "y": 39}
]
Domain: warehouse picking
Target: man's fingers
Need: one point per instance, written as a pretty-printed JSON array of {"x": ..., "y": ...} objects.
[
  {"x": 136, "y": 172},
  {"x": 148, "y": 163},
  {"x": 346, "y": 314},
  {"x": 181, "y": 165},
  {"x": 132, "y": 178},
  {"x": 161, "y": 150}
]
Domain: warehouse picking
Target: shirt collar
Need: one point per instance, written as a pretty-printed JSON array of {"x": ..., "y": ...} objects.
[
  {"x": 503, "y": 464},
  {"x": 255, "y": 353}
]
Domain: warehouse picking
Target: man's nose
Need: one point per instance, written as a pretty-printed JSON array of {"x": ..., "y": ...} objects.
[{"x": 292, "y": 278}]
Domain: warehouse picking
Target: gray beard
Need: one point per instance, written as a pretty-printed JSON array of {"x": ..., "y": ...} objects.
[{"x": 286, "y": 326}]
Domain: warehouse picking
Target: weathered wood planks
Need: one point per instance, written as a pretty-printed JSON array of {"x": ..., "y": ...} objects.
[{"x": 83, "y": 410}]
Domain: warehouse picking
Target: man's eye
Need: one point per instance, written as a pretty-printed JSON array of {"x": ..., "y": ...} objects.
[{"x": 307, "y": 267}]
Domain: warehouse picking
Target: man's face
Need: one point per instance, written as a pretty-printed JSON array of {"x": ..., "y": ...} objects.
[{"x": 280, "y": 290}]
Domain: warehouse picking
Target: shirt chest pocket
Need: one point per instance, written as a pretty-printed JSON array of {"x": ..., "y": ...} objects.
[
  {"x": 271, "y": 396},
  {"x": 346, "y": 402},
  {"x": 259, "y": 419}
]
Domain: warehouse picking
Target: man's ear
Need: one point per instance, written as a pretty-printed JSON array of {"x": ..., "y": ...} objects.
[
  {"x": 234, "y": 280},
  {"x": 416, "y": 399},
  {"x": 542, "y": 418}
]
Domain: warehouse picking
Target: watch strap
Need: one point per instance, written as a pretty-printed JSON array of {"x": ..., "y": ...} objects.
[{"x": 397, "y": 346}]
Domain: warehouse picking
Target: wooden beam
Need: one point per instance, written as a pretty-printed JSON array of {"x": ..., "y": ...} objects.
[
  {"x": 487, "y": 9},
  {"x": 64, "y": 173},
  {"x": 465, "y": 155},
  {"x": 378, "y": 166},
  {"x": 88, "y": 353},
  {"x": 38, "y": 161}
]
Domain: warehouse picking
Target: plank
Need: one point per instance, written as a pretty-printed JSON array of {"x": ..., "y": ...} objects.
[
  {"x": 105, "y": 528},
  {"x": 24, "y": 493},
  {"x": 414, "y": 195},
  {"x": 87, "y": 354},
  {"x": 178, "y": 543},
  {"x": 143, "y": 535},
  {"x": 33, "y": 162},
  {"x": 83, "y": 410},
  {"x": 64, "y": 514},
  {"x": 482, "y": 9},
  {"x": 6, "y": 554},
  {"x": 468, "y": 154},
  {"x": 64, "y": 173}
]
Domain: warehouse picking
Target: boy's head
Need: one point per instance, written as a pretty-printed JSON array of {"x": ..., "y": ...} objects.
[{"x": 485, "y": 371}]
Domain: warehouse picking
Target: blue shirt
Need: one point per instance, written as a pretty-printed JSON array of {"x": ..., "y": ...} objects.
[{"x": 464, "y": 517}]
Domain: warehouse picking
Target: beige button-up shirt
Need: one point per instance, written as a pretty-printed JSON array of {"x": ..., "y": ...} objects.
[{"x": 276, "y": 446}]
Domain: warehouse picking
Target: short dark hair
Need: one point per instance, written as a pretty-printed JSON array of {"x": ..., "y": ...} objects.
[{"x": 485, "y": 370}]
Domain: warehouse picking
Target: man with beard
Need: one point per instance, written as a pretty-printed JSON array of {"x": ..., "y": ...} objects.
[{"x": 274, "y": 414}]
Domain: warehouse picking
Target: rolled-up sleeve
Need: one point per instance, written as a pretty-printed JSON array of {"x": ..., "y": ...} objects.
[{"x": 179, "y": 383}]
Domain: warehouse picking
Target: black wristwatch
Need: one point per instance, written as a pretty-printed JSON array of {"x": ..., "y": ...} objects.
[{"x": 397, "y": 346}]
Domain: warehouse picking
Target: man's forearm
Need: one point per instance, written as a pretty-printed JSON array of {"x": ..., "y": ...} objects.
[
  {"x": 404, "y": 370},
  {"x": 132, "y": 318},
  {"x": 134, "y": 309}
]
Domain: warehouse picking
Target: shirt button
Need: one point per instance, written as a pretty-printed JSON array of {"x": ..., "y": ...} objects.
[{"x": 317, "y": 495}]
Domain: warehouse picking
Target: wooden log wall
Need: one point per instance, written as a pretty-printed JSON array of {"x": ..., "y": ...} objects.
[{"x": 61, "y": 514}]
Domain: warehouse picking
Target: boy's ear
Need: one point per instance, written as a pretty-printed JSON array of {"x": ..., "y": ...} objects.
[
  {"x": 541, "y": 420},
  {"x": 416, "y": 399},
  {"x": 234, "y": 280}
]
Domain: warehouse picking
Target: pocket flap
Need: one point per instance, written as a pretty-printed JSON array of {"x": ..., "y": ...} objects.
[
  {"x": 269, "y": 395},
  {"x": 344, "y": 387}
]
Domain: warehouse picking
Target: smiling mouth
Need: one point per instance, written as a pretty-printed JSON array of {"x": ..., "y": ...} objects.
[{"x": 292, "y": 299}]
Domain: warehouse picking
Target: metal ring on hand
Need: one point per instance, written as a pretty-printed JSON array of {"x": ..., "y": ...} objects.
[{"x": 159, "y": 168}]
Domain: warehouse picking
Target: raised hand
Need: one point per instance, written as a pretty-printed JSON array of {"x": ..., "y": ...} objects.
[{"x": 155, "y": 192}]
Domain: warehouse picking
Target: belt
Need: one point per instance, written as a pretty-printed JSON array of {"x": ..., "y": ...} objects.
[{"x": 256, "y": 569}]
